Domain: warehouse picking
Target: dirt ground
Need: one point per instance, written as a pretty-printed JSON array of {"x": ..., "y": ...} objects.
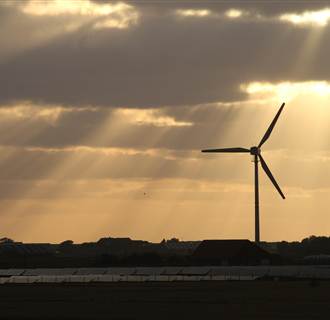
[{"x": 176, "y": 300}]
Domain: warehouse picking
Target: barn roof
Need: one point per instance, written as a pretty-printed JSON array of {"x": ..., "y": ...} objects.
[{"x": 228, "y": 249}]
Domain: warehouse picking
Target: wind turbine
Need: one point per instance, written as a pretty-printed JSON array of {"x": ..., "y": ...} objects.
[{"x": 256, "y": 152}]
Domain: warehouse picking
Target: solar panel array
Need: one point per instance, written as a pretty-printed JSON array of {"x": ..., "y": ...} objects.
[{"x": 140, "y": 274}]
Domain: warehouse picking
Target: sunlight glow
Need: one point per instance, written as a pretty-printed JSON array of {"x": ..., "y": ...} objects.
[
  {"x": 119, "y": 15},
  {"x": 122, "y": 23},
  {"x": 94, "y": 150},
  {"x": 233, "y": 13},
  {"x": 193, "y": 13},
  {"x": 28, "y": 111},
  {"x": 288, "y": 90},
  {"x": 317, "y": 18},
  {"x": 77, "y": 7},
  {"x": 153, "y": 117},
  {"x": 160, "y": 153}
]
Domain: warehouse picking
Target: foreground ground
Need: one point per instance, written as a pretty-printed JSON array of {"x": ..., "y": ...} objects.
[{"x": 176, "y": 300}]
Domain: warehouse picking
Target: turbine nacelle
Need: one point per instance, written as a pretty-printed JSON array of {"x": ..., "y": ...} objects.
[{"x": 255, "y": 151}]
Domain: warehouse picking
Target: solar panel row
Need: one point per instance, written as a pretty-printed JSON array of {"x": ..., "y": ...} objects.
[
  {"x": 160, "y": 273},
  {"x": 112, "y": 278}
]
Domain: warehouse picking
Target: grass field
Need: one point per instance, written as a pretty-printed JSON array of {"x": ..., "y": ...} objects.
[{"x": 171, "y": 300}]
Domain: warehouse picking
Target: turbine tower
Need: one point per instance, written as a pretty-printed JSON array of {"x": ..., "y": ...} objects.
[{"x": 256, "y": 153}]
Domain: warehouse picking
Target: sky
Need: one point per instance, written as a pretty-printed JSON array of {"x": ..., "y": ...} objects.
[{"x": 105, "y": 106}]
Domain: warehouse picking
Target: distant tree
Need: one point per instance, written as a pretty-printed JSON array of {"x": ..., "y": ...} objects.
[
  {"x": 312, "y": 245},
  {"x": 172, "y": 240},
  {"x": 6, "y": 240},
  {"x": 66, "y": 243}
]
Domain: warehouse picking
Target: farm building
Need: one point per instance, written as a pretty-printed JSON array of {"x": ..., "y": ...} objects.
[{"x": 230, "y": 252}]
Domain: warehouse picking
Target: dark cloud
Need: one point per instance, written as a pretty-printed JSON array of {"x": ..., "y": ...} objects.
[
  {"x": 140, "y": 68},
  {"x": 161, "y": 61}
]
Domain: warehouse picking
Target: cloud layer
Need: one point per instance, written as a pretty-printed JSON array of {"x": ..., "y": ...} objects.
[
  {"x": 105, "y": 100},
  {"x": 162, "y": 60}
]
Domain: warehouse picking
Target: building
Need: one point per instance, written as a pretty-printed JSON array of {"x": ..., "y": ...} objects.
[{"x": 230, "y": 252}]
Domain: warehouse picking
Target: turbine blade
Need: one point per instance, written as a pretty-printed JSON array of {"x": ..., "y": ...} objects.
[
  {"x": 270, "y": 176},
  {"x": 271, "y": 127},
  {"x": 233, "y": 150}
]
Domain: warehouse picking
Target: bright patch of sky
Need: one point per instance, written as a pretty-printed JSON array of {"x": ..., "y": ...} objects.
[
  {"x": 117, "y": 15},
  {"x": 193, "y": 13},
  {"x": 316, "y": 18},
  {"x": 233, "y": 13},
  {"x": 152, "y": 117},
  {"x": 288, "y": 90}
]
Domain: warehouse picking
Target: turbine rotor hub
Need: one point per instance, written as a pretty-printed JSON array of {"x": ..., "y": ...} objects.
[{"x": 255, "y": 151}]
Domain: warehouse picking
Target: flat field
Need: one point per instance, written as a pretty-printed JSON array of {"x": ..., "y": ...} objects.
[{"x": 168, "y": 300}]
